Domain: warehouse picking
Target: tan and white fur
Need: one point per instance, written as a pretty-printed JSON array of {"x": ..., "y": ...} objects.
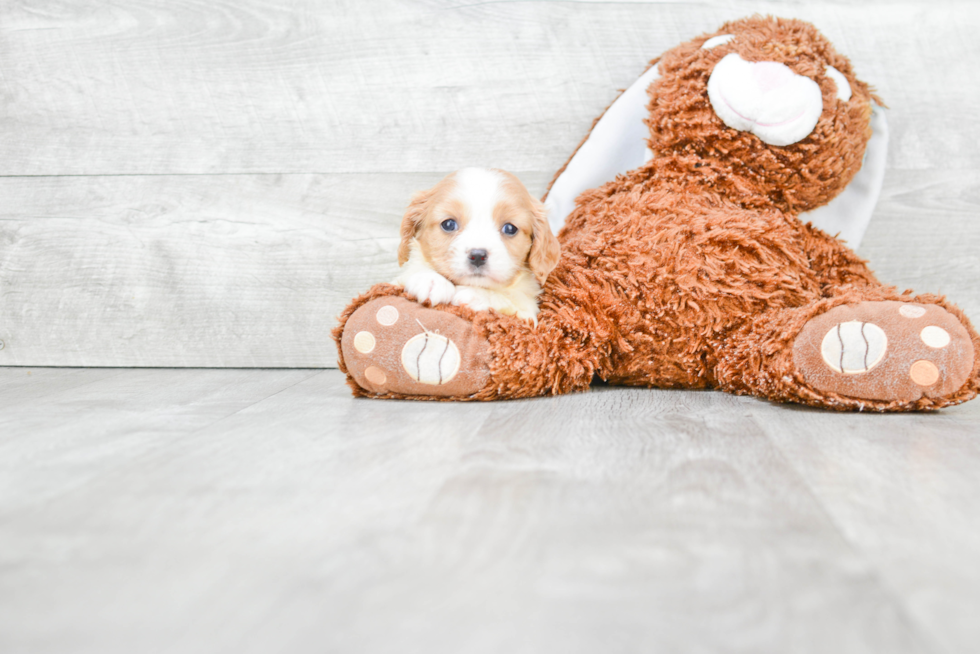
[{"x": 478, "y": 239}]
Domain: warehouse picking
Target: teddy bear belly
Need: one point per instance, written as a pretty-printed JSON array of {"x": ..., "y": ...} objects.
[{"x": 670, "y": 279}]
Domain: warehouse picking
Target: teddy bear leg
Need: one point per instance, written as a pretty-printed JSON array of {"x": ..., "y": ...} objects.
[
  {"x": 886, "y": 355},
  {"x": 913, "y": 354},
  {"x": 835, "y": 265},
  {"x": 392, "y": 347}
]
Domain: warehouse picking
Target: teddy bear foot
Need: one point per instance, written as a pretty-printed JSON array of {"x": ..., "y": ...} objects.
[
  {"x": 394, "y": 347},
  {"x": 886, "y": 351}
]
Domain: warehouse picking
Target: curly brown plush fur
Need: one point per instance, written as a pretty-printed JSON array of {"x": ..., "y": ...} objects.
[{"x": 694, "y": 271}]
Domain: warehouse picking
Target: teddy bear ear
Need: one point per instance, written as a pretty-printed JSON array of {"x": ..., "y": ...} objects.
[
  {"x": 545, "y": 250},
  {"x": 716, "y": 41},
  {"x": 843, "y": 86},
  {"x": 411, "y": 221}
]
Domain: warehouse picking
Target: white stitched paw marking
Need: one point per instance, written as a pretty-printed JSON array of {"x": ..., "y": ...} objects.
[
  {"x": 854, "y": 347},
  {"x": 430, "y": 358},
  {"x": 431, "y": 286}
]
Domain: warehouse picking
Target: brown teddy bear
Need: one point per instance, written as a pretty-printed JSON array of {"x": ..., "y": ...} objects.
[{"x": 694, "y": 270}]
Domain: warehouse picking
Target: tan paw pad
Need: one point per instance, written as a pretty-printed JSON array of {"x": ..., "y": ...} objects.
[
  {"x": 375, "y": 375},
  {"x": 924, "y": 373},
  {"x": 912, "y": 310},
  {"x": 387, "y": 315},
  {"x": 364, "y": 342}
]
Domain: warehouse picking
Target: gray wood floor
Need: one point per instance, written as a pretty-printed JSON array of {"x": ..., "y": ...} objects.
[{"x": 269, "y": 511}]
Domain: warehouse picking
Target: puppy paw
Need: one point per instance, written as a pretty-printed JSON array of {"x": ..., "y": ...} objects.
[
  {"x": 430, "y": 286},
  {"x": 473, "y": 298}
]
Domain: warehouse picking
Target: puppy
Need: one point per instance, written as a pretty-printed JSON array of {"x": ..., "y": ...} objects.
[{"x": 477, "y": 238}]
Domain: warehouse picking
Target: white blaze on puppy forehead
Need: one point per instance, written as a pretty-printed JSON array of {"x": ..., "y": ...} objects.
[
  {"x": 480, "y": 190},
  {"x": 479, "y": 187}
]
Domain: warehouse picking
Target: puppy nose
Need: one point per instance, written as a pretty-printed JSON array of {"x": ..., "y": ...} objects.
[{"x": 477, "y": 257}]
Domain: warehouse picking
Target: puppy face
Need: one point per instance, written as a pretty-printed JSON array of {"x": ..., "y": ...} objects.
[{"x": 480, "y": 227}]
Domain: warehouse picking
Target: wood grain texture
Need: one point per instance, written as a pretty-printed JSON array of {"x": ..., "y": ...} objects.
[
  {"x": 925, "y": 234},
  {"x": 207, "y": 184},
  {"x": 255, "y": 511},
  {"x": 67, "y": 417},
  {"x": 192, "y": 271},
  {"x": 196, "y": 86},
  {"x": 252, "y": 270},
  {"x": 903, "y": 490}
]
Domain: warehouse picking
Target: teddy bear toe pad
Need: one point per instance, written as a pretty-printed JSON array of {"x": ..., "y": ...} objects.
[
  {"x": 887, "y": 351},
  {"x": 392, "y": 345}
]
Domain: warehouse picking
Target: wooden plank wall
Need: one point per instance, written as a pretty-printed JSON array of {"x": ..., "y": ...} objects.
[{"x": 203, "y": 183}]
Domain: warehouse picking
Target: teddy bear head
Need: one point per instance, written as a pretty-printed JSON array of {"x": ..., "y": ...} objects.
[{"x": 763, "y": 107}]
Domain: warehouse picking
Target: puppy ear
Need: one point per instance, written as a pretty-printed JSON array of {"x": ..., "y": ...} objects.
[
  {"x": 545, "y": 250},
  {"x": 410, "y": 223}
]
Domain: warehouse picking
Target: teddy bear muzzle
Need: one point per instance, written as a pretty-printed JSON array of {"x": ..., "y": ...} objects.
[{"x": 765, "y": 98}]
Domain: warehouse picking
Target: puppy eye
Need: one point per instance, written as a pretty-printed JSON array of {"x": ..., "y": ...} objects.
[
  {"x": 509, "y": 229},
  {"x": 449, "y": 225}
]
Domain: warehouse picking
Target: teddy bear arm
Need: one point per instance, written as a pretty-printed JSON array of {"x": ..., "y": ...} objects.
[{"x": 391, "y": 346}]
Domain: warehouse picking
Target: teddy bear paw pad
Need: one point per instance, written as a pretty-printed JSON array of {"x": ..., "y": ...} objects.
[
  {"x": 887, "y": 351},
  {"x": 392, "y": 345}
]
